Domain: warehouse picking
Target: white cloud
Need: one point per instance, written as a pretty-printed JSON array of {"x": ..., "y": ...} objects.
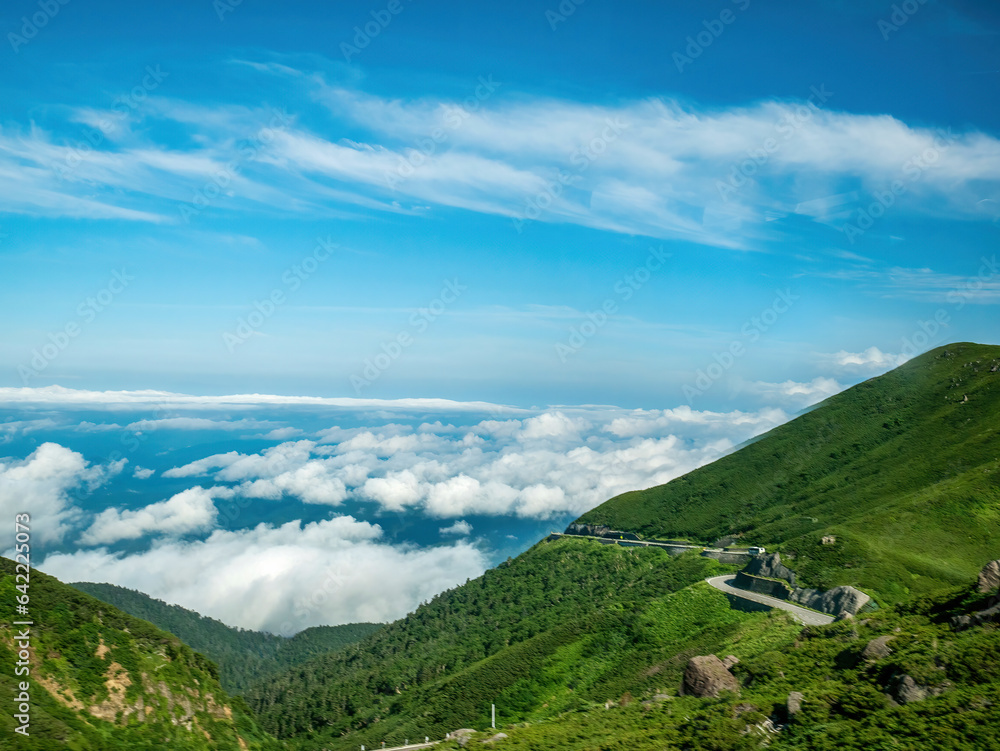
[
  {"x": 145, "y": 399},
  {"x": 198, "y": 423},
  {"x": 871, "y": 361},
  {"x": 461, "y": 528},
  {"x": 794, "y": 394},
  {"x": 191, "y": 510},
  {"x": 281, "y": 434},
  {"x": 324, "y": 573},
  {"x": 142, "y": 473},
  {"x": 657, "y": 173},
  {"x": 285, "y": 468},
  {"x": 43, "y": 484},
  {"x": 561, "y": 461}
]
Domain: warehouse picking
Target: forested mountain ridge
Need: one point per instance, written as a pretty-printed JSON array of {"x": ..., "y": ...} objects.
[
  {"x": 243, "y": 656},
  {"x": 100, "y": 679}
]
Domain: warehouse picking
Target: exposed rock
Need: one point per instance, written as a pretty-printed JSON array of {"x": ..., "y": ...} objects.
[
  {"x": 834, "y": 601},
  {"x": 742, "y": 709},
  {"x": 845, "y": 616},
  {"x": 591, "y": 530},
  {"x": 989, "y": 577},
  {"x": 730, "y": 661},
  {"x": 990, "y": 615},
  {"x": 794, "y": 704},
  {"x": 495, "y": 738},
  {"x": 460, "y": 733},
  {"x": 770, "y": 566},
  {"x": 878, "y": 649},
  {"x": 904, "y": 690},
  {"x": 707, "y": 676}
]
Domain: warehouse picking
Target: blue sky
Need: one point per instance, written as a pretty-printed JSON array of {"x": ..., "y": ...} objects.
[
  {"x": 226, "y": 148},
  {"x": 610, "y": 241}
]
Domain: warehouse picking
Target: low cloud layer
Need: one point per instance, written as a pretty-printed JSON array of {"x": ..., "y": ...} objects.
[
  {"x": 284, "y": 578},
  {"x": 558, "y": 462}
]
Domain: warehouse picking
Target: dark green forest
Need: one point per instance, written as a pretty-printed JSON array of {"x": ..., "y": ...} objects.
[{"x": 243, "y": 656}]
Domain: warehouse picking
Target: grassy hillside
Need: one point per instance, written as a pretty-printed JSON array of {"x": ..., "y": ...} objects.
[
  {"x": 903, "y": 469},
  {"x": 850, "y": 700},
  {"x": 243, "y": 656},
  {"x": 102, "y": 680}
]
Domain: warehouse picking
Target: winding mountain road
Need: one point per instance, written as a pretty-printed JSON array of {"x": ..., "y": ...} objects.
[{"x": 803, "y": 615}]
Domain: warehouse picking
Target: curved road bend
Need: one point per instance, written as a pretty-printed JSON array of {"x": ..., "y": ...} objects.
[{"x": 808, "y": 617}]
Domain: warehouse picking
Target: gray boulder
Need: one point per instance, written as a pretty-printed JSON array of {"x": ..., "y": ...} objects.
[
  {"x": 794, "y": 704},
  {"x": 904, "y": 690},
  {"x": 989, "y": 577},
  {"x": 707, "y": 676},
  {"x": 878, "y": 649},
  {"x": 843, "y": 600}
]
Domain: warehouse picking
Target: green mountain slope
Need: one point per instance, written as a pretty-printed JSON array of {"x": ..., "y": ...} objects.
[
  {"x": 583, "y": 645},
  {"x": 903, "y": 469},
  {"x": 243, "y": 656},
  {"x": 513, "y": 636},
  {"x": 101, "y": 680},
  {"x": 929, "y": 687}
]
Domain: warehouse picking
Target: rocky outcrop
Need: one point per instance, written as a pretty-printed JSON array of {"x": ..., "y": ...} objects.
[
  {"x": 794, "y": 704},
  {"x": 904, "y": 690},
  {"x": 461, "y": 735},
  {"x": 591, "y": 530},
  {"x": 770, "y": 566},
  {"x": 495, "y": 738},
  {"x": 878, "y": 649},
  {"x": 707, "y": 676},
  {"x": 834, "y": 601},
  {"x": 990, "y": 615},
  {"x": 989, "y": 578}
]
